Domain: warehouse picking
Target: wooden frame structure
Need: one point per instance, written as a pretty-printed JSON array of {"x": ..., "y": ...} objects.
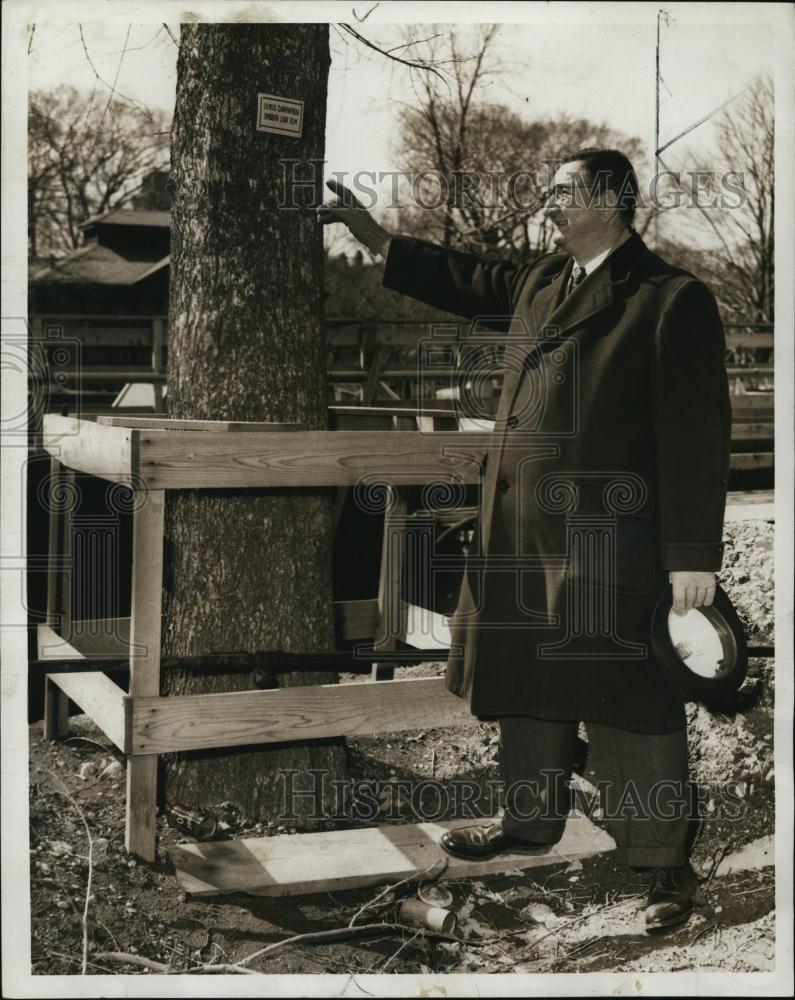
[{"x": 151, "y": 455}]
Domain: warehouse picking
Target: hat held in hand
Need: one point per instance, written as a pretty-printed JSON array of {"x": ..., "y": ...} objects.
[{"x": 704, "y": 650}]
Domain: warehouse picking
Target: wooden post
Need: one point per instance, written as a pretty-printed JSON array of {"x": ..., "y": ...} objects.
[
  {"x": 157, "y": 362},
  {"x": 369, "y": 393},
  {"x": 54, "y": 546},
  {"x": 390, "y": 627},
  {"x": 56, "y": 711},
  {"x": 145, "y": 612},
  {"x": 68, "y": 481}
]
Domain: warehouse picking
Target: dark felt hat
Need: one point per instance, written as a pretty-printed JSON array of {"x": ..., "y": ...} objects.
[{"x": 705, "y": 651}]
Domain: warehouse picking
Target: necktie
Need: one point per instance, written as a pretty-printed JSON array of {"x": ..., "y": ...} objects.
[{"x": 577, "y": 275}]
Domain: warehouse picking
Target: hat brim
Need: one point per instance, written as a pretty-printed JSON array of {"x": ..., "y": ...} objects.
[{"x": 721, "y": 688}]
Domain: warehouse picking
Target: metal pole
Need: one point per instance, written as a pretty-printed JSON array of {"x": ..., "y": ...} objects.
[{"x": 657, "y": 128}]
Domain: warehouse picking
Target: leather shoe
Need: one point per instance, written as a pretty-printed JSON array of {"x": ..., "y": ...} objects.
[
  {"x": 671, "y": 895},
  {"x": 477, "y": 843}
]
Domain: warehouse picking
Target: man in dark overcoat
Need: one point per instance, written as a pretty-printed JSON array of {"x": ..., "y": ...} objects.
[{"x": 605, "y": 480}]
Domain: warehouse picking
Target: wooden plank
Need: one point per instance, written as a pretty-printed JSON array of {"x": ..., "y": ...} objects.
[
  {"x": 761, "y": 431},
  {"x": 90, "y": 447},
  {"x": 355, "y": 619},
  {"x": 752, "y": 460},
  {"x": 56, "y": 711},
  {"x": 108, "y": 336},
  {"x": 88, "y": 375},
  {"x": 99, "y": 698},
  {"x": 306, "y": 458},
  {"x": 740, "y": 371},
  {"x": 422, "y": 628},
  {"x": 390, "y": 411},
  {"x": 746, "y": 497},
  {"x": 239, "y": 718},
  {"x": 349, "y": 859},
  {"x": 750, "y": 406},
  {"x": 145, "y": 626},
  {"x": 100, "y": 639},
  {"x": 738, "y": 339},
  {"x": 170, "y": 424}
]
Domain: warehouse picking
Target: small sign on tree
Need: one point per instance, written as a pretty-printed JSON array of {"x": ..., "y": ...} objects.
[{"x": 281, "y": 115}]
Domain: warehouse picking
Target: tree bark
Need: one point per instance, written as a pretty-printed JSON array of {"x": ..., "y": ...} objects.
[{"x": 246, "y": 569}]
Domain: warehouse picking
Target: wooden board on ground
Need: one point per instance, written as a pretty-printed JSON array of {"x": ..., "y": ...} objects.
[{"x": 297, "y": 864}]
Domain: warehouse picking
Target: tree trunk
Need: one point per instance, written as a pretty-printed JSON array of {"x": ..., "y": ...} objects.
[{"x": 246, "y": 569}]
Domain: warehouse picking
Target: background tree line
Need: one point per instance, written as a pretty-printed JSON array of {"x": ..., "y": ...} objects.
[
  {"x": 85, "y": 156},
  {"x": 88, "y": 156}
]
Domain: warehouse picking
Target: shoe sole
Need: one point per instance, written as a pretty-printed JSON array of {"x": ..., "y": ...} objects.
[
  {"x": 494, "y": 854},
  {"x": 670, "y": 923}
]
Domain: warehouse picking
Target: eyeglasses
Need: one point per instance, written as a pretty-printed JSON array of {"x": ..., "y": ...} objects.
[{"x": 562, "y": 192}]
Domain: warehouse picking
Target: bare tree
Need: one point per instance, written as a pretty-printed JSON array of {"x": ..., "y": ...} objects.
[
  {"x": 485, "y": 166},
  {"x": 736, "y": 226},
  {"x": 85, "y": 156}
]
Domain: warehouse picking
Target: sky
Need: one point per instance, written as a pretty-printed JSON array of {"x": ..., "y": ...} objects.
[{"x": 586, "y": 60}]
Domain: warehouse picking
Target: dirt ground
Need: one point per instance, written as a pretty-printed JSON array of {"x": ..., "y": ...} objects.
[{"x": 577, "y": 917}]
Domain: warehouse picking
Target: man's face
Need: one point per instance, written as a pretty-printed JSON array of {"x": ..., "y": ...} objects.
[{"x": 578, "y": 217}]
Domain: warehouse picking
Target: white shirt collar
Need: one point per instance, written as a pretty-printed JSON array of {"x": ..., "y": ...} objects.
[{"x": 591, "y": 265}]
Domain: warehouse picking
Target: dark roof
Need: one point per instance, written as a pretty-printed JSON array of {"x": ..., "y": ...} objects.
[
  {"x": 95, "y": 264},
  {"x": 130, "y": 217}
]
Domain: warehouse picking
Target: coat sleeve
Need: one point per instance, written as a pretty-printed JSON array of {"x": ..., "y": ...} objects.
[
  {"x": 692, "y": 429},
  {"x": 457, "y": 282}
]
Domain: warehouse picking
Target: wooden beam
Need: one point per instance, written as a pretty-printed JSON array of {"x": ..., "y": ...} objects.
[
  {"x": 102, "y": 639},
  {"x": 305, "y": 458},
  {"x": 752, "y": 406},
  {"x": 145, "y": 623},
  {"x": 742, "y": 431},
  {"x": 355, "y": 619},
  {"x": 99, "y": 698},
  {"x": 752, "y": 460},
  {"x": 171, "y": 424},
  {"x": 240, "y": 718},
  {"x": 90, "y": 447},
  {"x": 391, "y": 623},
  {"x": 749, "y": 339},
  {"x": 56, "y": 711},
  {"x": 350, "y": 859}
]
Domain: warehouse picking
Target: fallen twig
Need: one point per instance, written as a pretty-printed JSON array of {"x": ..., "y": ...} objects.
[
  {"x": 167, "y": 970},
  {"x": 716, "y": 862},
  {"x": 84, "y": 915},
  {"x": 359, "y": 931}
]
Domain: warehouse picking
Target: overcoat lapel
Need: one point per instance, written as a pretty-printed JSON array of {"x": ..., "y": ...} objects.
[
  {"x": 599, "y": 291},
  {"x": 554, "y": 314}
]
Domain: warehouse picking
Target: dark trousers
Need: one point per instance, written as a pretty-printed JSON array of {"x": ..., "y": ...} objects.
[{"x": 642, "y": 781}]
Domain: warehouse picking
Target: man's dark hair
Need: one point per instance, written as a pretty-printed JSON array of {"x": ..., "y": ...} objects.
[{"x": 609, "y": 170}]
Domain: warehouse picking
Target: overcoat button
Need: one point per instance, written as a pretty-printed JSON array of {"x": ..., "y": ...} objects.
[{"x": 503, "y": 485}]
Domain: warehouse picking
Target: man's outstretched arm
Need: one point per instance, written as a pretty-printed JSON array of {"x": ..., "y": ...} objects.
[{"x": 460, "y": 283}]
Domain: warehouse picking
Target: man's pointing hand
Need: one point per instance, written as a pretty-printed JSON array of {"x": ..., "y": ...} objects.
[{"x": 345, "y": 208}]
